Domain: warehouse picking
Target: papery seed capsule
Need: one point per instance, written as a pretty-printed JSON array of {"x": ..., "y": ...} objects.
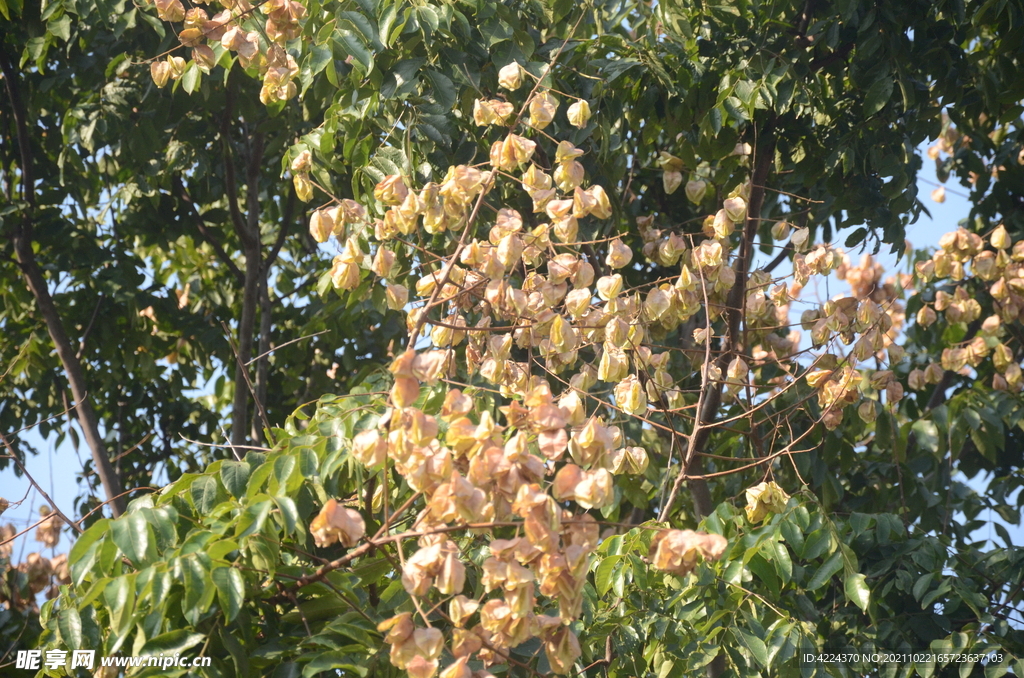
[
  {"x": 1000, "y": 239},
  {"x": 391, "y": 190},
  {"x": 799, "y": 238},
  {"x": 579, "y": 114},
  {"x": 780, "y": 231},
  {"x": 671, "y": 181},
  {"x": 867, "y": 411},
  {"x": 619, "y": 254},
  {"x": 917, "y": 380},
  {"x": 160, "y": 72},
  {"x": 320, "y": 225},
  {"x": 303, "y": 187},
  {"x": 736, "y": 209},
  {"x": 397, "y": 296},
  {"x": 695, "y": 191},
  {"x": 542, "y": 109},
  {"x": 510, "y": 76}
]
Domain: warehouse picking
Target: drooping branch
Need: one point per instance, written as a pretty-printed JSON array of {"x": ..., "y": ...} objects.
[{"x": 36, "y": 281}]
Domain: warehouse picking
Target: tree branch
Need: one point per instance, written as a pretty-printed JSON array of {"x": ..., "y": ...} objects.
[
  {"x": 88, "y": 328},
  {"x": 263, "y": 363},
  {"x": 831, "y": 58},
  {"x": 231, "y": 184},
  {"x": 53, "y": 505},
  {"x": 692, "y": 464},
  {"x": 205, "y": 232}
]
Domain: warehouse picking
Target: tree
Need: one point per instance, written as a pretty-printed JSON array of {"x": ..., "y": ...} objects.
[
  {"x": 508, "y": 496},
  {"x": 131, "y": 260}
]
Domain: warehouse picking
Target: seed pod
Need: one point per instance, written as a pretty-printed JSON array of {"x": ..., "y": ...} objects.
[
  {"x": 579, "y": 114},
  {"x": 671, "y": 181},
  {"x": 510, "y": 76},
  {"x": 695, "y": 190}
]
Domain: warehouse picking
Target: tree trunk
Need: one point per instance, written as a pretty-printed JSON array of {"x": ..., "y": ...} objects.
[
  {"x": 262, "y": 366},
  {"x": 246, "y": 326},
  {"x": 248, "y": 230},
  {"x": 25, "y": 254}
]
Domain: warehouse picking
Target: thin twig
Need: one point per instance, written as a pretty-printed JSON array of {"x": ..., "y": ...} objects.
[
  {"x": 292, "y": 341},
  {"x": 88, "y": 328},
  {"x": 244, "y": 447},
  {"x": 53, "y": 504}
]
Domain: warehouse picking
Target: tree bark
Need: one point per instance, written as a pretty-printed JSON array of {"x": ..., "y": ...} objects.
[
  {"x": 266, "y": 314},
  {"x": 247, "y": 228},
  {"x": 262, "y": 366},
  {"x": 25, "y": 255}
]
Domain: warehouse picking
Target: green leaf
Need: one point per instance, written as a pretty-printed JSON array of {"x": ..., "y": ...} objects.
[
  {"x": 363, "y": 26},
  {"x": 605, "y": 572},
  {"x": 131, "y": 534},
  {"x": 856, "y": 237},
  {"x": 60, "y": 27},
  {"x": 119, "y": 595},
  {"x": 283, "y": 468},
  {"x": 878, "y": 95},
  {"x": 179, "y": 485},
  {"x": 87, "y": 539},
  {"x": 857, "y": 591},
  {"x": 197, "y": 583},
  {"x": 826, "y": 571},
  {"x": 235, "y": 475},
  {"x": 387, "y": 23},
  {"x": 782, "y": 561},
  {"x": 191, "y": 79},
  {"x": 326, "y": 661},
  {"x": 444, "y": 90},
  {"x": 352, "y": 44},
  {"x": 927, "y": 435},
  {"x": 171, "y": 643},
  {"x": 230, "y": 590},
  {"x": 757, "y": 648},
  {"x": 309, "y": 465},
  {"x": 70, "y": 624},
  {"x": 389, "y": 160},
  {"x": 428, "y": 18},
  {"x": 356, "y": 633},
  {"x": 288, "y": 512},
  {"x": 253, "y": 518},
  {"x": 817, "y": 543},
  {"x": 162, "y": 520},
  {"x": 765, "y": 572},
  {"x": 922, "y": 584},
  {"x": 320, "y": 56},
  {"x": 204, "y": 494}
]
